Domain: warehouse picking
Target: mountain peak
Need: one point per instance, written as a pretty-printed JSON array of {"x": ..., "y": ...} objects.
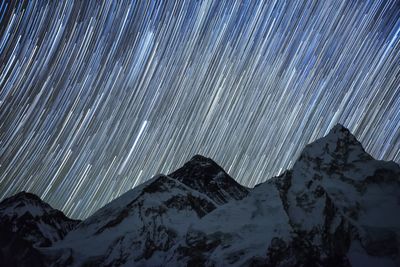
[
  {"x": 206, "y": 176},
  {"x": 201, "y": 158},
  {"x": 340, "y": 132},
  {"x": 24, "y": 197},
  {"x": 198, "y": 167},
  {"x": 200, "y": 161},
  {"x": 339, "y": 128},
  {"x": 338, "y": 148},
  {"x": 31, "y": 222}
]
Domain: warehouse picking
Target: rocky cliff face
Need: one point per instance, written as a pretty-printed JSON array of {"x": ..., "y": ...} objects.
[
  {"x": 26, "y": 222},
  {"x": 336, "y": 207},
  {"x": 341, "y": 203},
  {"x": 204, "y": 175}
]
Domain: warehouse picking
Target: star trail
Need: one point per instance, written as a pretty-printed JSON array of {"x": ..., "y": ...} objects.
[{"x": 96, "y": 97}]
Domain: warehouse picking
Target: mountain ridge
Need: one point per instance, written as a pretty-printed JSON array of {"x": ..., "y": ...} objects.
[{"x": 335, "y": 207}]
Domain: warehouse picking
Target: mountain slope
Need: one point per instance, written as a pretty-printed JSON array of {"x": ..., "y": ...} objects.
[
  {"x": 238, "y": 233},
  {"x": 337, "y": 207},
  {"x": 343, "y": 202},
  {"x": 146, "y": 222},
  {"x": 26, "y": 222},
  {"x": 138, "y": 225}
]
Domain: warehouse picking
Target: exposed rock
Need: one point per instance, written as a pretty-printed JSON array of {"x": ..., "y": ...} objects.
[
  {"x": 336, "y": 207},
  {"x": 26, "y": 223}
]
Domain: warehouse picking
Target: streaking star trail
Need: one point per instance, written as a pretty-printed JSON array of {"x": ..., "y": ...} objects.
[{"x": 96, "y": 97}]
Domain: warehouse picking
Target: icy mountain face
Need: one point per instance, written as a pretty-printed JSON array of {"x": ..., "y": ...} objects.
[
  {"x": 26, "y": 222},
  {"x": 342, "y": 203},
  {"x": 239, "y": 233},
  {"x": 337, "y": 207},
  {"x": 144, "y": 224}
]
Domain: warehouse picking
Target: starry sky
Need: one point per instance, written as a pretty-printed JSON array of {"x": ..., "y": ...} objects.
[{"x": 97, "y": 97}]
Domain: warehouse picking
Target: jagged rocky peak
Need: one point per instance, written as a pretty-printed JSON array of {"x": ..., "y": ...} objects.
[
  {"x": 339, "y": 128},
  {"x": 339, "y": 145},
  {"x": 29, "y": 205},
  {"x": 206, "y": 176},
  {"x": 22, "y": 203},
  {"x": 201, "y": 158},
  {"x": 340, "y": 155},
  {"x": 25, "y": 213},
  {"x": 341, "y": 133},
  {"x": 196, "y": 166},
  {"x": 23, "y": 197},
  {"x": 27, "y": 222},
  {"x": 341, "y": 201}
]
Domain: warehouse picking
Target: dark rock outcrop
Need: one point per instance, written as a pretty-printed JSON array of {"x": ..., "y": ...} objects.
[{"x": 27, "y": 223}]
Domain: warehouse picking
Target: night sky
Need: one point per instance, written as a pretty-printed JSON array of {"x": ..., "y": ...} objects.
[{"x": 97, "y": 97}]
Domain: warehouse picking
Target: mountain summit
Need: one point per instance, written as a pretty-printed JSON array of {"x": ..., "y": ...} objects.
[
  {"x": 150, "y": 219},
  {"x": 206, "y": 176},
  {"x": 337, "y": 207},
  {"x": 339, "y": 145},
  {"x": 26, "y": 222}
]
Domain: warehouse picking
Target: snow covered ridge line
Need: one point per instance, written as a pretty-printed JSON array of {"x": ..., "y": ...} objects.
[
  {"x": 337, "y": 207},
  {"x": 26, "y": 222}
]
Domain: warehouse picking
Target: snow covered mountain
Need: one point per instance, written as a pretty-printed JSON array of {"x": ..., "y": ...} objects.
[
  {"x": 343, "y": 202},
  {"x": 143, "y": 225},
  {"x": 204, "y": 175},
  {"x": 26, "y": 222},
  {"x": 337, "y": 207}
]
